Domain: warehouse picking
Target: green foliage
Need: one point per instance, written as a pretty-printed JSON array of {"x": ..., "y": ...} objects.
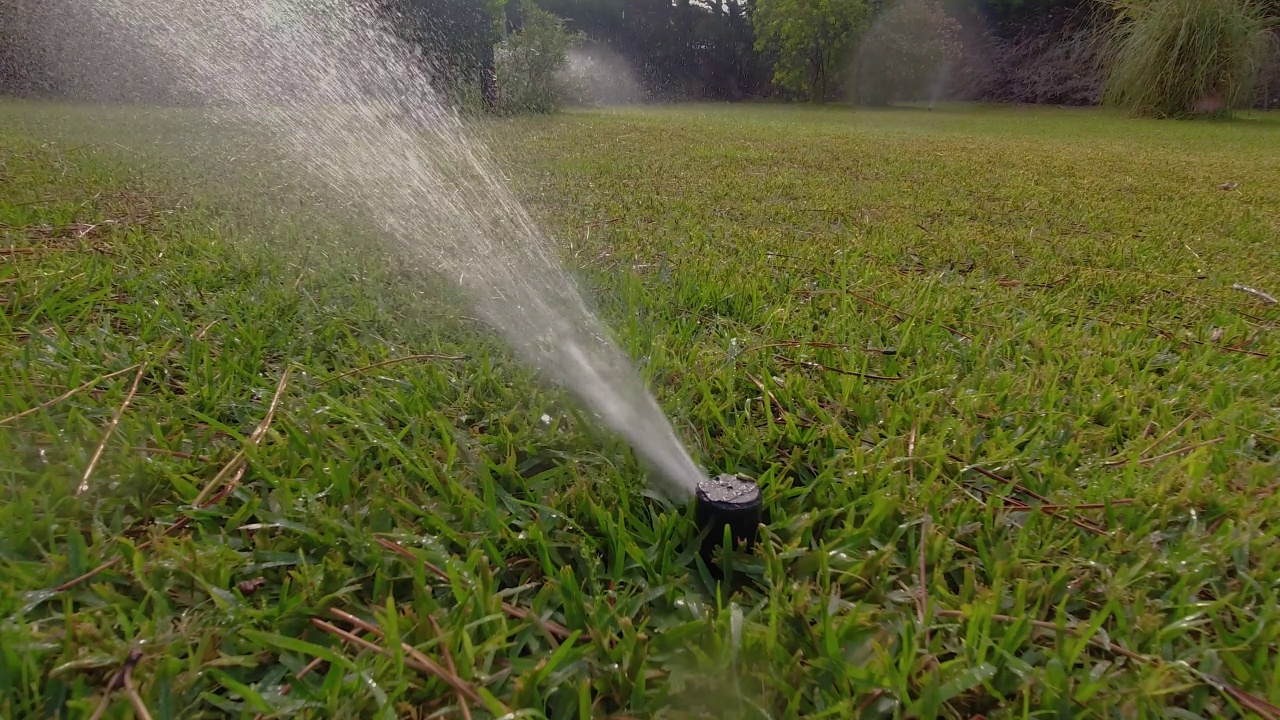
[
  {"x": 904, "y": 54},
  {"x": 811, "y": 42},
  {"x": 529, "y": 63},
  {"x": 1178, "y": 58}
]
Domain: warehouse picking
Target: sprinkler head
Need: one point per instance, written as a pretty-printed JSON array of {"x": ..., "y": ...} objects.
[{"x": 727, "y": 500}]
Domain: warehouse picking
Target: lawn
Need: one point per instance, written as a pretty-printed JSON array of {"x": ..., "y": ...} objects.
[{"x": 1017, "y": 425}]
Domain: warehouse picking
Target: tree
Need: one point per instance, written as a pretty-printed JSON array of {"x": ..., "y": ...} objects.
[
  {"x": 529, "y": 63},
  {"x": 811, "y": 42}
]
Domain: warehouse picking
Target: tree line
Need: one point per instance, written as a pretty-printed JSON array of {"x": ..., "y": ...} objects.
[
  {"x": 509, "y": 55},
  {"x": 1134, "y": 53}
]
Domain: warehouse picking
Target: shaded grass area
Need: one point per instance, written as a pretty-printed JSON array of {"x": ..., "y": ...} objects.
[{"x": 1061, "y": 502}]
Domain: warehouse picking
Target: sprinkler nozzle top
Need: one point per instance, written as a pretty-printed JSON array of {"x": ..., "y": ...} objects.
[{"x": 728, "y": 492}]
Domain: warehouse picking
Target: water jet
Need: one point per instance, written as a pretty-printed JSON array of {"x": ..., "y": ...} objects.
[{"x": 347, "y": 105}]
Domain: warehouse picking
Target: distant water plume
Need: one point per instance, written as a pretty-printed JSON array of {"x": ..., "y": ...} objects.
[
  {"x": 595, "y": 76},
  {"x": 907, "y": 54},
  {"x": 350, "y": 106}
]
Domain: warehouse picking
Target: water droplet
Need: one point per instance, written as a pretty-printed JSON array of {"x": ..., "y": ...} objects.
[
  {"x": 32, "y": 599},
  {"x": 839, "y": 558}
]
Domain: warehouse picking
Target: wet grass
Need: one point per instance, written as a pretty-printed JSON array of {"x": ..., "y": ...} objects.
[{"x": 1017, "y": 428}]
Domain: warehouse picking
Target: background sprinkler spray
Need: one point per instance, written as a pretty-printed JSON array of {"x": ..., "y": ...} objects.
[{"x": 728, "y": 500}]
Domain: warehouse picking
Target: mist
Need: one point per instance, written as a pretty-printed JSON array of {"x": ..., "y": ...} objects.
[{"x": 595, "y": 76}]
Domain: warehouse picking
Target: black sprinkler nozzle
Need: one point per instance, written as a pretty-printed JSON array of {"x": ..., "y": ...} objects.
[{"x": 728, "y": 500}]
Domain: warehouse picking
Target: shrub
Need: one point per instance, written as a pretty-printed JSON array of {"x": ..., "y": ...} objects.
[
  {"x": 1179, "y": 58},
  {"x": 1267, "y": 96},
  {"x": 529, "y": 64},
  {"x": 1058, "y": 59}
]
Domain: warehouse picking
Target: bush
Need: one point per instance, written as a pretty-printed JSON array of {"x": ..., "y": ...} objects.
[
  {"x": 1057, "y": 59},
  {"x": 1179, "y": 58},
  {"x": 907, "y": 53},
  {"x": 529, "y": 64},
  {"x": 1267, "y": 95}
]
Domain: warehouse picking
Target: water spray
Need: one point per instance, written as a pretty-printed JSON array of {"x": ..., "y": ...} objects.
[{"x": 344, "y": 99}]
